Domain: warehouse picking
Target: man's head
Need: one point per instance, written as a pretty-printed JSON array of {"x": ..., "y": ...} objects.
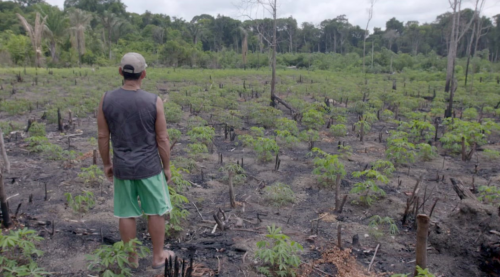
[{"x": 133, "y": 67}]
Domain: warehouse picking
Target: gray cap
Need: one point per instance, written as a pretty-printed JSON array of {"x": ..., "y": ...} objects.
[{"x": 133, "y": 63}]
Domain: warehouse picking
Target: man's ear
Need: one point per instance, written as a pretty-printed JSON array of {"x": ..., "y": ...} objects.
[
  {"x": 120, "y": 71},
  {"x": 143, "y": 74}
]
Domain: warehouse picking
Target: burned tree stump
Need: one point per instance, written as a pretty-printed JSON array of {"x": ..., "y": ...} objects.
[
  {"x": 423, "y": 222},
  {"x": 463, "y": 193}
]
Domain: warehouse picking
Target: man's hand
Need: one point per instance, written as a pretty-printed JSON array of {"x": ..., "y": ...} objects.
[
  {"x": 168, "y": 174},
  {"x": 108, "y": 171}
]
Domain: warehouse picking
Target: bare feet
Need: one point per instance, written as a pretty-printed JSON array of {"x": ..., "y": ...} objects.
[
  {"x": 161, "y": 260},
  {"x": 133, "y": 259}
]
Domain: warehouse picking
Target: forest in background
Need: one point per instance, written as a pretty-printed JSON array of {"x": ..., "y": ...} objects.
[{"x": 99, "y": 32}]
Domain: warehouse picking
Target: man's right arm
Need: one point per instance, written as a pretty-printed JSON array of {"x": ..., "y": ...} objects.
[
  {"x": 162, "y": 138},
  {"x": 103, "y": 141}
]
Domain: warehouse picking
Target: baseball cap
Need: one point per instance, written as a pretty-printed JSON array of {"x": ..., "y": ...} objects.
[{"x": 133, "y": 63}]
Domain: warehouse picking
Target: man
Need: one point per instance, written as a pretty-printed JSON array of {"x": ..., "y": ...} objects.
[{"x": 141, "y": 155}]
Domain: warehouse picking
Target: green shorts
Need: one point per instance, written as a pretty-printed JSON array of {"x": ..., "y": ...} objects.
[{"x": 153, "y": 194}]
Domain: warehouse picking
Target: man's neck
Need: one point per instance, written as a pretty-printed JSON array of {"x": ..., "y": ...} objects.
[{"x": 131, "y": 85}]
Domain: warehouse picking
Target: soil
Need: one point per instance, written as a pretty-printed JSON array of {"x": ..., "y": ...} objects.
[{"x": 458, "y": 227}]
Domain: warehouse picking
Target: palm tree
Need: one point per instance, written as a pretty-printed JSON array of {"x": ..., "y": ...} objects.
[
  {"x": 111, "y": 23},
  {"x": 79, "y": 21},
  {"x": 56, "y": 27},
  {"x": 35, "y": 34}
]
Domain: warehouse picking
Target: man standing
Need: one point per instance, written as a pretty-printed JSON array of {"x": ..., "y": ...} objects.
[{"x": 135, "y": 120}]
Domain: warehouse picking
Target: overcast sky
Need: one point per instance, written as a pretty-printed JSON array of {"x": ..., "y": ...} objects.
[{"x": 308, "y": 10}]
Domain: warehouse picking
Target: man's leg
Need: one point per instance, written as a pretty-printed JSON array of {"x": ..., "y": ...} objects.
[
  {"x": 156, "y": 226},
  {"x": 128, "y": 232}
]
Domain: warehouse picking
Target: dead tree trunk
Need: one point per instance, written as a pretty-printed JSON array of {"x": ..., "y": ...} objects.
[
  {"x": 423, "y": 223},
  {"x": 337, "y": 192},
  {"x": 231, "y": 190},
  {"x": 4, "y": 167},
  {"x": 463, "y": 193}
]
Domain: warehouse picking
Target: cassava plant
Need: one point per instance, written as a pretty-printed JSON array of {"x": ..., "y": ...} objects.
[
  {"x": 330, "y": 171},
  {"x": 232, "y": 170}
]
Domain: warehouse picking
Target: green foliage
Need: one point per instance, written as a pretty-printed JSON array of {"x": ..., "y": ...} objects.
[
  {"x": 178, "y": 213},
  {"x": 279, "y": 194},
  {"x": 327, "y": 167},
  {"x": 472, "y": 132},
  {"x": 309, "y": 135},
  {"x": 113, "y": 260},
  {"x": 420, "y": 273},
  {"x": 203, "y": 135},
  {"x": 377, "y": 223},
  {"x": 286, "y": 138},
  {"x": 426, "y": 152},
  {"x": 491, "y": 155},
  {"x": 366, "y": 126},
  {"x": 489, "y": 194},
  {"x": 37, "y": 130},
  {"x": 470, "y": 114},
  {"x": 265, "y": 116},
  {"x": 173, "y": 112},
  {"x": 17, "y": 250},
  {"x": 339, "y": 130},
  {"x": 313, "y": 119},
  {"x": 399, "y": 150},
  {"x": 48, "y": 150},
  {"x": 418, "y": 130},
  {"x": 265, "y": 148},
  {"x": 184, "y": 163},
  {"x": 236, "y": 171},
  {"x": 174, "y": 135},
  {"x": 197, "y": 151},
  {"x": 80, "y": 203},
  {"x": 368, "y": 190},
  {"x": 278, "y": 253},
  {"x": 91, "y": 175},
  {"x": 285, "y": 124},
  {"x": 196, "y": 121}
]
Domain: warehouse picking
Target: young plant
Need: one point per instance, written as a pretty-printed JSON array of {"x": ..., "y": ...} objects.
[
  {"x": 197, "y": 151},
  {"x": 91, "y": 175},
  {"x": 285, "y": 124},
  {"x": 203, "y": 135},
  {"x": 17, "y": 250},
  {"x": 399, "y": 150},
  {"x": 339, "y": 130},
  {"x": 173, "y": 112},
  {"x": 178, "y": 213},
  {"x": 313, "y": 119},
  {"x": 174, "y": 136},
  {"x": 233, "y": 170},
  {"x": 37, "y": 130},
  {"x": 491, "y": 155},
  {"x": 279, "y": 194},
  {"x": 48, "y": 150},
  {"x": 286, "y": 138},
  {"x": 377, "y": 223},
  {"x": 80, "y": 203},
  {"x": 368, "y": 190},
  {"x": 420, "y": 273},
  {"x": 330, "y": 171},
  {"x": 266, "y": 149},
  {"x": 489, "y": 194},
  {"x": 113, "y": 261},
  {"x": 463, "y": 136},
  {"x": 426, "y": 152},
  {"x": 311, "y": 136},
  {"x": 278, "y": 254}
]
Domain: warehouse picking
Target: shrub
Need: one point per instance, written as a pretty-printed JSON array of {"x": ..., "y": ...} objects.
[
  {"x": 173, "y": 112},
  {"x": 376, "y": 223},
  {"x": 37, "y": 130},
  {"x": 339, "y": 130},
  {"x": 113, "y": 261},
  {"x": 203, "y": 135},
  {"x": 91, "y": 175},
  {"x": 491, "y": 155},
  {"x": 266, "y": 149},
  {"x": 489, "y": 194},
  {"x": 426, "y": 152},
  {"x": 278, "y": 254},
  {"x": 48, "y": 150},
  {"x": 399, "y": 150},
  {"x": 368, "y": 190},
  {"x": 285, "y": 124},
  {"x": 470, "y": 114},
  {"x": 17, "y": 250},
  {"x": 313, "y": 119},
  {"x": 279, "y": 194},
  {"x": 80, "y": 203},
  {"x": 196, "y": 121},
  {"x": 197, "y": 151}
]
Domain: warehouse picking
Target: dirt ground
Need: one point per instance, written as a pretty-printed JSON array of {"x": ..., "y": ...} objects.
[{"x": 458, "y": 228}]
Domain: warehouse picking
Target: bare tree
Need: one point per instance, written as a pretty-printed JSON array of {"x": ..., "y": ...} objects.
[
  {"x": 270, "y": 6},
  {"x": 4, "y": 167},
  {"x": 477, "y": 31},
  {"x": 35, "y": 34},
  {"x": 456, "y": 35},
  {"x": 370, "y": 16}
]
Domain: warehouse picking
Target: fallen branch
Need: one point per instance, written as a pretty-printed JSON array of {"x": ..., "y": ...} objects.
[{"x": 373, "y": 259}]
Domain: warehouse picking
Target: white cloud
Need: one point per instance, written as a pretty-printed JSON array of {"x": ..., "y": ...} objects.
[{"x": 309, "y": 11}]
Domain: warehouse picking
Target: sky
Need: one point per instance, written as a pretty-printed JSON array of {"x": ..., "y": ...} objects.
[{"x": 313, "y": 11}]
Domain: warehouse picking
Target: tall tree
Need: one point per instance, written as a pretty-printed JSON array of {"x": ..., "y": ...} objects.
[
  {"x": 56, "y": 27},
  {"x": 111, "y": 24},
  {"x": 79, "y": 21},
  {"x": 370, "y": 16},
  {"x": 35, "y": 34}
]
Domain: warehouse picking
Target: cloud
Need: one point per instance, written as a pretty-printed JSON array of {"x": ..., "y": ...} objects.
[{"x": 307, "y": 10}]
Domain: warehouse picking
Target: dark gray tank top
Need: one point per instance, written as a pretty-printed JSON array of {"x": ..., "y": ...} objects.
[{"x": 131, "y": 118}]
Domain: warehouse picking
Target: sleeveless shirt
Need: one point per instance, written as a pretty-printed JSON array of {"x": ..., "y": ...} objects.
[{"x": 131, "y": 118}]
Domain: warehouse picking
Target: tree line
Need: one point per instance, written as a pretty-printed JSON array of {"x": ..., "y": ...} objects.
[{"x": 100, "y": 31}]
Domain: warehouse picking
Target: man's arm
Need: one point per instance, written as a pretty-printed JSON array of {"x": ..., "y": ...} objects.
[
  {"x": 162, "y": 138},
  {"x": 103, "y": 141}
]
